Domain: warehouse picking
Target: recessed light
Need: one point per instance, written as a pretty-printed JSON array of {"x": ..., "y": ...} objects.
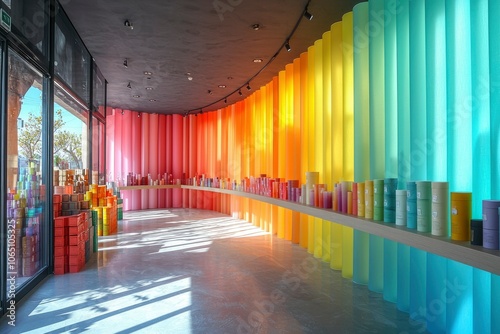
[
  {"x": 257, "y": 60},
  {"x": 136, "y": 96},
  {"x": 148, "y": 73},
  {"x": 209, "y": 91},
  {"x": 256, "y": 26},
  {"x": 222, "y": 86},
  {"x": 229, "y": 78},
  {"x": 149, "y": 88},
  {"x": 152, "y": 100}
]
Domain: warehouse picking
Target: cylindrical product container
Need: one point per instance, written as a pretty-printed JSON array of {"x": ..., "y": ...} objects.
[
  {"x": 312, "y": 178},
  {"x": 424, "y": 215},
  {"x": 401, "y": 208},
  {"x": 461, "y": 214},
  {"x": 345, "y": 187},
  {"x": 439, "y": 209},
  {"x": 491, "y": 210},
  {"x": 349, "y": 202},
  {"x": 378, "y": 199},
  {"x": 476, "y": 232},
  {"x": 390, "y": 185},
  {"x": 369, "y": 199},
  {"x": 361, "y": 199},
  {"x": 354, "y": 199}
]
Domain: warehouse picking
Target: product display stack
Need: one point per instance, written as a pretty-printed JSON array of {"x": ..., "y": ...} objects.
[{"x": 24, "y": 211}]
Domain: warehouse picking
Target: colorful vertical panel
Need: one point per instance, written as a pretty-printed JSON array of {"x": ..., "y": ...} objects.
[{"x": 361, "y": 129}]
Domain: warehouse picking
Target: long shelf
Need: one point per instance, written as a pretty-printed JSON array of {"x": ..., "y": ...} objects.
[
  {"x": 147, "y": 187},
  {"x": 461, "y": 251}
]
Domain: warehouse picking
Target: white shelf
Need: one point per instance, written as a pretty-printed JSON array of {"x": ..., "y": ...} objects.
[
  {"x": 464, "y": 252},
  {"x": 147, "y": 187}
]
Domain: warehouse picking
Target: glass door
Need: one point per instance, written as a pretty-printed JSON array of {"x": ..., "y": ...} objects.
[{"x": 25, "y": 188}]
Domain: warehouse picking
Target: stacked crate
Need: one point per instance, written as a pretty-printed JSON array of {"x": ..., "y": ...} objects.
[{"x": 70, "y": 236}]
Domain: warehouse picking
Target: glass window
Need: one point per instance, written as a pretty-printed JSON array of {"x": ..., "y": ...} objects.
[
  {"x": 99, "y": 91},
  {"x": 25, "y": 187},
  {"x": 30, "y": 22},
  {"x": 70, "y": 141},
  {"x": 72, "y": 61},
  {"x": 98, "y": 140}
]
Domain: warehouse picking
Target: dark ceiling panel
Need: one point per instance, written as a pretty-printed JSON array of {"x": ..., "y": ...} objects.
[{"x": 172, "y": 38}]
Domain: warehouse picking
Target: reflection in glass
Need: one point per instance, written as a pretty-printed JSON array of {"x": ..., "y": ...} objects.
[{"x": 25, "y": 189}]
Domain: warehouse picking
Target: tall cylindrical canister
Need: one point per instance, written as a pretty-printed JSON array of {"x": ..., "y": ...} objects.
[
  {"x": 461, "y": 214},
  {"x": 361, "y": 199},
  {"x": 424, "y": 196},
  {"x": 354, "y": 199},
  {"x": 411, "y": 205},
  {"x": 440, "y": 209},
  {"x": 390, "y": 186},
  {"x": 490, "y": 224},
  {"x": 476, "y": 232},
  {"x": 369, "y": 199},
  {"x": 401, "y": 212},
  {"x": 378, "y": 199},
  {"x": 312, "y": 178}
]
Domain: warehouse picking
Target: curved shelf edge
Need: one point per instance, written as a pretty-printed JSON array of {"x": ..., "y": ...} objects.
[
  {"x": 147, "y": 187},
  {"x": 461, "y": 251}
]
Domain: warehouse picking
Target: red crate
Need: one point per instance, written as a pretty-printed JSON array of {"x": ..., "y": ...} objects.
[
  {"x": 59, "y": 232},
  {"x": 60, "y": 251},
  {"x": 74, "y": 260},
  {"x": 60, "y": 261},
  {"x": 60, "y": 241},
  {"x": 59, "y": 271},
  {"x": 74, "y": 250},
  {"x": 74, "y": 269},
  {"x": 73, "y": 240},
  {"x": 60, "y": 222},
  {"x": 73, "y": 220},
  {"x": 57, "y": 199}
]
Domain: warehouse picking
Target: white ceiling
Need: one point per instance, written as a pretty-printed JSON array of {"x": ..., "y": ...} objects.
[{"x": 212, "y": 40}]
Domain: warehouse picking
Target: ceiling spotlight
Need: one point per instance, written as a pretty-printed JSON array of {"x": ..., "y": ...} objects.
[
  {"x": 239, "y": 92},
  {"x": 128, "y": 24},
  {"x": 189, "y": 77},
  {"x": 136, "y": 96},
  {"x": 148, "y": 73},
  {"x": 229, "y": 78},
  {"x": 123, "y": 112},
  {"x": 152, "y": 100},
  {"x": 287, "y": 46},
  {"x": 125, "y": 62},
  {"x": 257, "y": 60},
  {"x": 149, "y": 88},
  {"x": 129, "y": 86},
  {"x": 308, "y": 15},
  {"x": 256, "y": 26},
  {"x": 138, "y": 115},
  {"x": 222, "y": 86},
  {"x": 209, "y": 91},
  {"x": 248, "y": 86},
  {"x": 225, "y": 100}
]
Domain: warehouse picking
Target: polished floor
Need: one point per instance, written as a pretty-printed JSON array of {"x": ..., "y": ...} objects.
[{"x": 195, "y": 271}]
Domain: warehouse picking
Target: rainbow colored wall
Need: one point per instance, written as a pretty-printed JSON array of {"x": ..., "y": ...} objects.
[{"x": 398, "y": 88}]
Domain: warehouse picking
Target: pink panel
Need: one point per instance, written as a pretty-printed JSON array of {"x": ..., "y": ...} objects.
[
  {"x": 168, "y": 153},
  {"x": 153, "y": 158},
  {"x": 144, "y": 119},
  {"x": 177, "y": 151},
  {"x": 127, "y": 154},
  {"x": 162, "y": 144},
  {"x": 185, "y": 159},
  {"x": 118, "y": 145},
  {"x": 110, "y": 145},
  {"x": 136, "y": 158},
  {"x": 193, "y": 131}
]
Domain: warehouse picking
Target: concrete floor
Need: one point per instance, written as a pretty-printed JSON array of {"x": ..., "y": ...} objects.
[{"x": 195, "y": 271}]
